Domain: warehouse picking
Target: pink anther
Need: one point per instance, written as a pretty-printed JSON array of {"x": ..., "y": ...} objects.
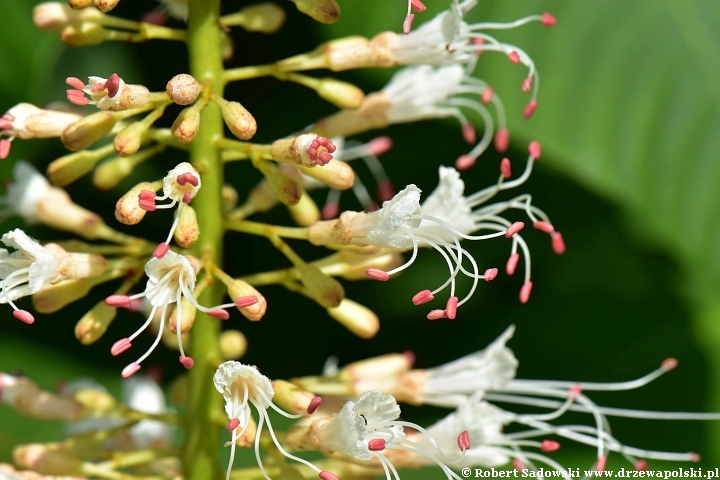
[
  {"x": 422, "y": 297},
  {"x": 146, "y": 195},
  {"x": 525, "y": 291},
  {"x": 487, "y": 95},
  {"x": 325, "y": 475},
  {"x": 549, "y": 446},
  {"x": 380, "y": 145},
  {"x": 518, "y": 464},
  {"x": 5, "y": 124},
  {"x": 77, "y": 97},
  {"x": 526, "y": 84},
  {"x": 465, "y": 162},
  {"x": 219, "y": 313},
  {"x": 548, "y": 19},
  {"x": 246, "y": 301},
  {"x": 75, "y": 82},
  {"x": 385, "y": 190},
  {"x": 490, "y": 274},
  {"x": 502, "y": 139},
  {"x": 436, "y": 315},
  {"x": 529, "y": 109},
  {"x": 113, "y": 85},
  {"x": 187, "y": 362},
  {"x": 417, "y": 5},
  {"x": 147, "y": 204},
  {"x": 463, "y": 441},
  {"x": 505, "y": 168},
  {"x": 330, "y": 210},
  {"x": 513, "y": 229},
  {"x": 468, "y": 132},
  {"x": 641, "y": 465},
  {"x": 118, "y": 301},
  {"x": 669, "y": 364},
  {"x": 601, "y": 463},
  {"x": 324, "y": 158},
  {"x": 181, "y": 180},
  {"x": 377, "y": 274},
  {"x": 24, "y": 316},
  {"x": 478, "y": 42},
  {"x": 514, "y": 56},
  {"x": 192, "y": 179},
  {"x": 694, "y": 457},
  {"x": 376, "y": 445},
  {"x": 5, "y": 145},
  {"x": 187, "y": 197},
  {"x": 407, "y": 24},
  {"x": 557, "y": 242},
  {"x": 98, "y": 87},
  {"x": 410, "y": 357},
  {"x": 120, "y": 346},
  {"x": 451, "y": 307},
  {"x": 575, "y": 392},
  {"x": 233, "y": 424},
  {"x": 314, "y": 404},
  {"x": 320, "y": 150},
  {"x": 545, "y": 227},
  {"x": 161, "y": 250},
  {"x": 534, "y": 149},
  {"x": 130, "y": 370},
  {"x": 511, "y": 264}
]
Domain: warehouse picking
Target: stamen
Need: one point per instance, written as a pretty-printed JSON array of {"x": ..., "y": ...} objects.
[
  {"x": 246, "y": 301},
  {"x": 518, "y": 465},
  {"x": 219, "y": 313},
  {"x": 113, "y": 85},
  {"x": 464, "y": 441},
  {"x": 527, "y": 84},
  {"x": 436, "y": 315},
  {"x": 451, "y": 307},
  {"x": 147, "y": 204},
  {"x": 376, "y": 445},
  {"x": 330, "y": 210},
  {"x": 120, "y": 346},
  {"x": 146, "y": 195},
  {"x": 407, "y": 24},
  {"x": 548, "y": 19},
  {"x": 314, "y": 404},
  {"x": 75, "y": 83},
  {"x": 418, "y": 6},
  {"x": 529, "y": 109},
  {"x": 505, "y": 168},
  {"x": 77, "y": 97},
  {"x": 534, "y": 147},
  {"x": 464, "y": 162},
  {"x": 380, "y": 145},
  {"x": 161, "y": 250},
  {"x": 24, "y": 316},
  {"x": 118, "y": 301},
  {"x": 186, "y": 361},
  {"x": 468, "y": 132},
  {"x": 558, "y": 244},
  {"x": 514, "y": 56},
  {"x": 641, "y": 465},
  {"x": 5, "y": 124},
  {"x": 525, "y": 291},
  {"x": 130, "y": 370},
  {"x": 669, "y": 364},
  {"x": 513, "y": 229},
  {"x": 5, "y": 145},
  {"x": 487, "y": 95},
  {"x": 385, "y": 190},
  {"x": 98, "y": 87},
  {"x": 325, "y": 475},
  {"x": 502, "y": 139},
  {"x": 545, "y": 227},
  {"x": 410, "y": 356},
  {"x": 321, "y": 150},
  {"x": 377, "y": 274},
  {"x": 490, "y": 274},
  {"x": 512, "y": 263},
  {"x": 601, "y": 463},
  {"x": 422, "y": 297},
  {"x": 191, "y": 179},
  {"x": 549, "y": 446},
  {"x": 187, "y": 197},
  {"x": 233, "y": 424}
]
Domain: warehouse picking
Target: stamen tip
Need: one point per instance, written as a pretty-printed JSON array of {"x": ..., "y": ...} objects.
[
  {"x": 465, "y": 162},
  {"x": 377, "y": 274},
  {"x": 314, "y": 404},
  {"x": 502, "y": 140},
  {"x": 436, "y": 314},
  {"x": 529, "y": 109},
  {"x": 641, "y": 465},
  {"x": 130, "y": 370},
  {"x": 233, "y": 424},
  {"x": 380, "y": 145},
  {"x": 161, "y": 250},
  {"x": 490, "y": 274},
  {"x": 506, "y": 168},
  {"x": 422, "y": 297},
  {"x": 451, "y": 307},
  {"x": 513, "y": 229},
  {"x": 601, "y": 463},
  {"x": 376, "y": 445},
  {"x": 407, "y": 24},
  {"x": 187, "y": 362},
  {"x": 463, "y": 441},
  {"x": 246, "y": 301},
  {"x": 325, "y": 475},
  {"x": 24, "y": 316},
  {"x": 694, "y": 457},
  {"x": 548, "y": 19},
  {"x": 534, "y": 149},
  {"x": 549, "y": 446},
  {"x": 220, "y": 313},
  {"x": 511, "y": 264},
  {"x": 118, "y": 301},
  {"x": 525, "y": 291},
  {"x": 669, "y": 364},
  {"x": 120, "y": 346},
  {"x": 545, "y": 227}
]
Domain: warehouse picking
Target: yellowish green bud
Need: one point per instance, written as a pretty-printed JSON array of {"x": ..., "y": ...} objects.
[
  {"x": 105, "y": 5},
  {"x": 339, "y": 93},
  {"x": 325, "y": 290},
  {"x": 114, "y": 170},
  {"x": 53, "y": 298},
  {"x": 130, "y": 139},
  {"x": 357, "y": 318},
  {"x": 187, "y": 321},
  {"x": 324, "y": 11},
  {"x": 94, "y": 323},
  {"x": 240, "y": 122},
  {"x": 229, "y": 197},
  {"x": 305, "y": 212},
  {"x": 285, "y": 188},
  {"x": 263, "y": 18},
  {"x": 335, "y": 174},
  {"x": 95, "y": 400},
  {"x": 186, "y": 125},
  {"x": 56, "y": 15},
  {"x": 83, "y": 34},
  {"x": 188, "y": 230},
  {"x": 79, "y": 4},
  {"x": 240, "y": 288},
  {"x": 69, "y": 168},
  {"x": 290, "y": 397},
  {"x": 41, "y": 459},
  {"x": 233, "y": 344},
  {"x": 81, "y": 134},
  {"x": 127, "y": 209},
  {"x": 182, "y": 89}
]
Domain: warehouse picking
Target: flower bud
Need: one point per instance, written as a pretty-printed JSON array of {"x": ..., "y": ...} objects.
[
  {"x": 130, "y": 138},
  {"x": 55, "y": 15},
  {"x": 84, "y": 33},
  {"x": 80, "y": 4},
  {"x": 305, "y": 212},
  {"x": 26, "y": 397},
  {"x": 30, "y": 121},
  {"x": 341, "y": 94},
  {"x": 240, "y": 288},
  {"x": 182, "y": 89},
  {"x": 187, "y": 321},
  {"x": 66, "y": 169},
  {"x": 290, "y": 397},
  {"x": 94, "y": 323},
  {"x": 105, "y": 5},
  {"x": 240, "y": 122},
  {"x": 357, "y": 318},
  {"x": 186, "y": 125},
  {"x": 323, "y": 289},
  {"x": 188, "y": 230},
  {"x": 286, "y": 189},
  {"x": 81, "y": 134},
  {"x": 388, "y": 365},
  {"x": 127, "y": 209},
  {"x": 41, "y": 459},
  {"x": 55, "y": 297},
  {"x": 336, "y": 174},
  {"x": 229, "y": 197},
  {"x": 263, "y": 18},
  {"x": 227, "y": 46},
  {"x": 131, "y": 96},
  {"x": 324, "y": 11},
  {"x": 55, "y": 209},
  {"x": 261, "y": 198},
  {"x": 233, "y": 344},
  {"x": 95, "y": 400}
]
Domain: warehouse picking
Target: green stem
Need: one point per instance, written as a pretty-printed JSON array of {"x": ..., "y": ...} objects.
[{"x": 200, "y": 456}]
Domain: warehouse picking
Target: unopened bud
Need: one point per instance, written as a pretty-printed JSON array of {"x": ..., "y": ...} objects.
[
  {"x": 261, "y": 198},
  {"x": 66, "y": 169},
  {"x": 81, "y": 134},
  {"x": 325, "y": 290},
  {"x": 130, "y": 138},
  {"x": 52, "y": 298},
  {"x": 41, "y": 459},
  {"x": 357, "y": 318},
  {"x": 105, "y": 5},
  {"x": 127, "y": 209},
  {"x": 55, "y": 15},
  {"x": 383, "y": 366},
  {"x": 94, "y": 400},
  {"x": 336, "y": 174},
  {"x": 79, "y": 4},
  {"x": 182, "y": 89},
  {"x": 341, "y": 94},
  {"x": 240, "y": 122},
  {"x": 188, "y": 230},
  {"x": 229, "y": 197},
  {"x": 33, "y": 122},
  {"x": 83, "y": 34},
  {"x": 240, "y": 288},
  {"x": 305, "y": 212},
  {"x": 233, "y": 344},
  {"x": 263, "y": 18},
  {"x": 26, "y": 397},
  {"x": 324, "y": 11},
  {"x": 285, "y": 188},
  {"x": 186, "y": 125},
  {"x": 189, "y": 313},
  {"x": 94, "y": 323},
  {"x": 131, "y": 96},
  {"x": 227, "y": 46},
  {"x": 290, "y": 397},
  {"x": 114, "y": 170},
  {"x": 55, "y": 209}
]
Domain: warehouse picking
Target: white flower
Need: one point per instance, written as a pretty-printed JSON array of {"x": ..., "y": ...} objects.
[
  {"x": 447, "y": 203},
  {"x": 26, "y": 121},
  {"x": 145, "y": 395},
  {"x": 101, "y": 92},
  {"x": 23, "y": 195}
]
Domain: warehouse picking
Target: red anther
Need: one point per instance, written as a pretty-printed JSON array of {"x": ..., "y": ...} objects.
[
  {"x": 526, "y": 84},
  {"x": 407, "y": 24},
  {"x": 548, "y": 19},
  {"x": 512, "y": 263},
  {"x": 146, "y": 195},
  {"x": 24, "y": 316},
  {"x": 436, "y": 314},
  {"x": 98, "y": 87},
  {"x": 376, "y": 445},
  {"x": 557, "y": 242},
  {"x": 155, "y": 17},
  {"x": 601, "y": 463},
  {"x": 464, "y": 441},
  {"x": 534, "y": 149},
  {"x": 514, "y": 56},
  {"x": 506, "y": 168},
  {"x": 451, "y": 307},
  {"x": 669, "y": 364},
  {"x": 314, "y": 404},
  {"x": 5, "y": 124},
  {"x": 130, "y": 370},
  {"x": 513, "y": 229},
  {"x": 187, "y": 362},
  {"x": 5, "y": 145},
  {"x": 75, "y": 83},
  {"x": 487, "y": 95},
  {"x": 113, "y": 85},
  {"x": 219, "y": 313},
  {"x": 490, "y": 274},
  {"x": 330, "y": 210},
  {"x": 385, "y": 190},
  {"x": 575, "y": 392},
  {"x": 468, "y": 132},
  {"x": 380, "y": 145},
  {"x": 233, "y": 424},
  {"x": 417, "y": 5},
  {"x": 529, "y": 109},
  {"x": 549, "y": 445},
  {"x": 465, "y": 162},
  {"x": 187, "y": 197},
  {"x": 518, "y": 464},
  {"x": 118, "y": 301},
  {"x": 325, "y": 475},
  {"x": 161, "y": 250},
  {"x": 694, "y": 457},
  {"x": 147, "y": 204},
  {"x": 377, "y": 274},
  {"x": 192, "y": 179},
  {"x": 422, "y": 297},
  {"x": 545, "y": 227},
  {"x": 502, "y": 139},
  {"x": 246, "y": 301},
  {"x": 478, "y": 42},
  {"x": 331, "y": 147},
  {"x": 77, "y": 99},
  {"x": 641, "y": 465},
  {"x": 181, "y": 179},
  {"x": 324, "y": 157},
  {"x": 410, "y": 356},
  {"x": 120, "y": 346},
  {"x": 525, "y": 291}
]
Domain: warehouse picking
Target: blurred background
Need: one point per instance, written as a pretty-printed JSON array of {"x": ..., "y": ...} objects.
[{"x": 628, "y": 116}]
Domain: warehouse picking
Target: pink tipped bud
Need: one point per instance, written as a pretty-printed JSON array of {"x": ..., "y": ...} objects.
[
  {"x": 187, "y": 362},
  {"x": 545, "y": 227},
  {"x": 525, "y": 291},
  {"x": 487, "y": 95},
  {"x": 147, "y": 204},
  {"x": 246, "y": 301},
  {"x": 526, "y": 84},
  {"x": 518, "y": 464},
  {"x": 314, "y": 404},
  {"x": 451, "y": 307},
  {"x": 558, "y": 244},
  {"x": 118, "y": 301},
  {"x": 505, "y": 168},
  {"x": 436, "y": 314},
  {"x": 376, "y": 445},
  {"x": 330, "y": 210},
  {"x": 380, "y": 145},
  {"x": 219, "y": 313},
  {"x": 147, "y": 195},
  {"x": 5, "y": 145},
  {"x": 514, "y": 56},
  {"x": 549, "y": 446},
  {"x": 548, "y": 19},
  {"x": 233, "y": 424},
  {"x": 407, "y": 24},
  {"x": 130, "y": 370},
  {"x": 465, "y": 162},
  {"x": 502, "y": 139},
  {"x": 534, "y": 149},
  {"x": 490, "y": 274},
  {"x": 464, "y": 441},
  {"x": 529, "y": 109},
  {"x": 641, "y": 465},
  {"x": 325, "y": 475},
  {"x": 385, "y": 190},
  {"x": 75, "y": 82},
  {"x": 601, "y": 463},
  {"x": 669, "y": 364},
  {"x": 575, "y": 392},
  {"x": 377, "y": 274},
  {"x": 468, "y": 133},
  {"x": 422, "y": 297},
  {"x": 513, "y": 229},
  {"x": 161, "y": 250},
  {"x": 24, "y": 316},
  {"x": 417, "y": 5},
  {"x": 694, "y": 457},
  {"x": 120, "y": 346}
]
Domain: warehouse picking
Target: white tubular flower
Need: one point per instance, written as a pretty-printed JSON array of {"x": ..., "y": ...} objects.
[
  {"x": 242, "y": 385},
  {"x": 170, "y": 278},
  {"x": 110, "y": 93},
  {"x": 24, "y": 194},
  {"x": 145, "y": 395},
  {"x": 26, "y": 121}
]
